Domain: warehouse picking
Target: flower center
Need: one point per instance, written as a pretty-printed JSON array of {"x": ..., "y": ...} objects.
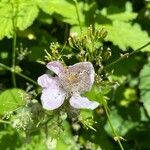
[
  {"x": 70, "y": 81},
  {"x": 73, "y": 78}
]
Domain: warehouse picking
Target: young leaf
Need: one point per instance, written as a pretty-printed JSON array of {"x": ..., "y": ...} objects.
[{"x": 11, "y": 99}]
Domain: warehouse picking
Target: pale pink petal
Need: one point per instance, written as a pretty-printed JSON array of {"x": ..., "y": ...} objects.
[
  {"x": 55, "y": 66},
  {"x": 85, "y": 72},
  {"x": 78, "y": 102},
  {"x": 52, "y": 98},
  {"x": 46, "y": 81}
]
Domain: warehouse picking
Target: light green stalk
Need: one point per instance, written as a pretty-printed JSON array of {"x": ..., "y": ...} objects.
[{"x": 116, "y": 137}]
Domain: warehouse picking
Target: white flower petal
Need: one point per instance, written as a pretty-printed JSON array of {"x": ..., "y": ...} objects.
[
  {"x": 55, "y": 66},
  {"x": 85, "y": 72},
  {"x": 52, "y": 98},
  {"x": 47, "y": 81},
  {"x": 77, "y": 101}
]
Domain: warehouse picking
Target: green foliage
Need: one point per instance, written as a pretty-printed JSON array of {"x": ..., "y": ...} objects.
[
  {"x": 66, "y": 140},
  {"x": 145, "y": 86},
  {"x": 127, "y": 36},
  {"x": 16, "y": 14},
  {"x": 31, "y": 143},
  {"x": 11, "y": 99},
  {"x": 97, "y": 93},
  {"x": 7, "y": 139},
  {"x": 111, "y": 30},
  {"x": 121, "y": 126},
  {"x": 121, "y": 14},
  {"x": 59, "y": 7}
]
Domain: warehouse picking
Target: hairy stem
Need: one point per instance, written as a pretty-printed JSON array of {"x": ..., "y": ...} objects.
[
  {"x": 126, "y": 55},
  {"x": 18, "y": 73}
]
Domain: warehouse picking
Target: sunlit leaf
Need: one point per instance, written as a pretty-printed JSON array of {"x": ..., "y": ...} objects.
[
  {"x": 122, "y": 14},
  {"x": 11, "y": 99},
  {"x": 62, "y": 7},
  {"x": 23, "y": 12},
  {"x": 126, "y": 35},
  {"x": 121, "y": 32}
]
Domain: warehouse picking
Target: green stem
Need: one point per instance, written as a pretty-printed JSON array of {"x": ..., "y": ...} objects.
[
  {"x": 3, "y": 121},
  {"x": 77, "y": 11},
  {"x": 27, "y": 78},
  {"x": 92, "y": 53},
  {"x": 66, "y": 33},
  {"x": 14, "y": 22},
  {"x": 18, "y": 73},
  {"x": 127, "y": 55},
  {"x": 13, "y": 59},
  {"x": 113, "y": 130}
]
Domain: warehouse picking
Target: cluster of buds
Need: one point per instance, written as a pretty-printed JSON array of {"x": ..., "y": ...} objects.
[
  {"x": 87, "y": 120},
  {"x": 22, "y": 120},
  {"x": 87, "y": 40},
  {"x": 89, "y": 46},
  {"x": 54, "y": 53},
  {"x": 28, "y": 117},
  {"x": 96, "y": 34},
  {"x": 86, "y": 47},
  {"x": 22, "y": 52}
]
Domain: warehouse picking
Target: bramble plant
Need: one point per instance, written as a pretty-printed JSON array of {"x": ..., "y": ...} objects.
[{"x": 94, "y": 93}]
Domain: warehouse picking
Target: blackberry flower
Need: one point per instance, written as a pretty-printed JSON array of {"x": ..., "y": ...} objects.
[{"x": 68, "y": 83}]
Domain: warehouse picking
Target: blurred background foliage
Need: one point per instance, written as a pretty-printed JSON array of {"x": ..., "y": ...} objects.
[{"x": 38, "y": 23}]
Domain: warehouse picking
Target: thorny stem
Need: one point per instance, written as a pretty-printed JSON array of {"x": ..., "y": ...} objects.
[
  {"x": 116, "y": 137},
  {"x": 18, "y": 73},
  {"x": 126, "y": 55},
  {"x": 77, "y": 11}
]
